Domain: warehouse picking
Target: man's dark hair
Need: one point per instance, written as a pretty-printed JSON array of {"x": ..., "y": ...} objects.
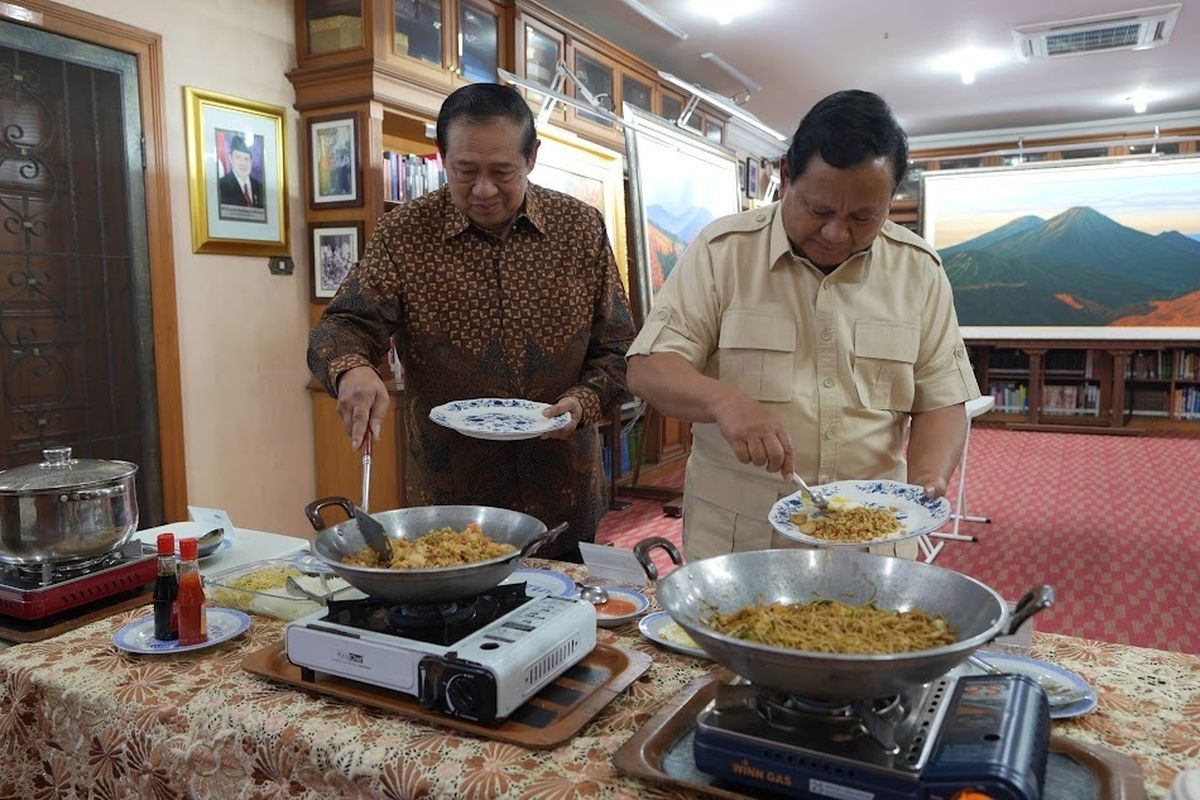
[
  {"x": 483, "y": 101},
  {"x": 846, "y": 129},
  {"x": 238, "y": 144}
]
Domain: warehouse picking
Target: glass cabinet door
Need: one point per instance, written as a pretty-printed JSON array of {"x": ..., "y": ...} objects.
[
  {"x": 417, "y": 26},
  {"x": 671, "y": 108},
  {"x": 542, "y": 53},
  {"x": 715, "y": 130},
  {"x": 478, "y": 44},
  {"x": 334, "y": 25},
  {"x": 598, "y": 79},
  {"x": 636, "y": 94}
]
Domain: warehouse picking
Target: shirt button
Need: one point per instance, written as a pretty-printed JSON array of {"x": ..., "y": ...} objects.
[
  {"x": 828, "y": 383},
  {"x": 959, "y": 352},
  {"x": 826, "y": 284},
  {"x": 829, "y": 432},
  {"x": 826, "y": 334},
  {"x": 761, "y": 218}
]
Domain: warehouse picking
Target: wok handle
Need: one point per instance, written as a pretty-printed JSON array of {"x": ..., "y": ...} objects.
[
  {"x": 313, "y": 510},
  {"x": 1036, "y": 599},
  {"x": 642, "y": 551},
  {"x": 546, "y": 538}
]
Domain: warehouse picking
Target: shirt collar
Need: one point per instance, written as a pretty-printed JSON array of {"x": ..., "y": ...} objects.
[
  {"x": 532, "y": 211},
  {"x": 853, "y": 270}
]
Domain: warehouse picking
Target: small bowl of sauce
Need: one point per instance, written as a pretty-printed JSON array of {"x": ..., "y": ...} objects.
[{"x": 622, "y": 606}]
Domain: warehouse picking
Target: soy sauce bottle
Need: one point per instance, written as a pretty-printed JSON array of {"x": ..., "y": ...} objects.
[{"x": 166, "y": 591}]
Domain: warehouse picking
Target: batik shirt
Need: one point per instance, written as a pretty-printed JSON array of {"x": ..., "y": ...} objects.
[{"x": 536, "y": 313}]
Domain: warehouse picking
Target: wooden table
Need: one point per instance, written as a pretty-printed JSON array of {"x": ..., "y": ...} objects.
[{"x": 80, "y": 718}]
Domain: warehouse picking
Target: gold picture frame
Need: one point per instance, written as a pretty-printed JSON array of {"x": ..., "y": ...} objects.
[
  {"x": 237, "y": 181},
  {"x": 587, "y": 172}
]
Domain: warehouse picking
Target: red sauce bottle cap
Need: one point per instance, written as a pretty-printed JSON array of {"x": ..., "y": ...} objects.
[
  {"x": 188, "y": 549},
  {"x": 166, "y": 544}
]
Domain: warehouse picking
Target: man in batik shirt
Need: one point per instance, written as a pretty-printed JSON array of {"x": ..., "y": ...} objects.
[{"x": 490, "y": 287}]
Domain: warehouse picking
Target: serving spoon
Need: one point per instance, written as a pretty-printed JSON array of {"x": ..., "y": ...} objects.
[
  {"x": 596, "y": 595},
  {"x": 816, "y": 499}
]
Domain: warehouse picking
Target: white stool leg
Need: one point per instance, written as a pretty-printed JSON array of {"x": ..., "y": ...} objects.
[
  {"x": 957, "y": 515},
  {"x": 928, "y": 549}
]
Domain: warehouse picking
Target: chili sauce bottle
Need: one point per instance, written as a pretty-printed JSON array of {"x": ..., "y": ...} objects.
[
  {"x": 166, "y": 591},
  {"x": 193, "y": 620}
]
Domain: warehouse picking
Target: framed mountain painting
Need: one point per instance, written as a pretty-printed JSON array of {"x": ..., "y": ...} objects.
[
  {"x": 1077, "y": 251},
  {"x": 679, "y": 182}
]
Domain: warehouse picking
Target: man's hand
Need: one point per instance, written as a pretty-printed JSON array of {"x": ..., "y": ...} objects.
[
  {"x": 362, "y": 400},
  {"x": 566, "y": 405},
  {"x": 756, "y": 435},
  {"x": 934, "y": 485}
]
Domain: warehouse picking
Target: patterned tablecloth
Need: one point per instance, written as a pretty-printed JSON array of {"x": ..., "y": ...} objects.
[{"x": 79, "y": 718}]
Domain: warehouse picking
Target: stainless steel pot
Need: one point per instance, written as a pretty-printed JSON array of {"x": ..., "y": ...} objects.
[
  {"x": 436, "y": 585},
  {"x": 975, "y": 612},
  {"x": 66, "y": 509}
]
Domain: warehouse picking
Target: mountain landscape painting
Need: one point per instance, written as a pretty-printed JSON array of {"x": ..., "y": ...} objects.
[
  {"x": 682, "y": 184},
  {"x": 1096, "y": 246}
]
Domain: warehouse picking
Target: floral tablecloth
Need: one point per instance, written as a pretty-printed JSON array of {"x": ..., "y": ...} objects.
[{"x": 79, "y": 718}]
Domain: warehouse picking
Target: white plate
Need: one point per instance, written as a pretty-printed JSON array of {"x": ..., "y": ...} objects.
[
  {"x": 186, "y": 530},
  {"x": 138, "y": 636},
  {"x": 918, "y": 515},
  {"x": 653, "y": 626},
  {"x": 1045, "y": 673},
  {"x": 498, "y": 418},
  {"x": 639, "y": 601},
  {"x": 539, "y": 582}
]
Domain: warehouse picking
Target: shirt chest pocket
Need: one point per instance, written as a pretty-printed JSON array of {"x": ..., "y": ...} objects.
[
  {"x": 884, "y": 355},
  {"x": 756, "y": 354}
]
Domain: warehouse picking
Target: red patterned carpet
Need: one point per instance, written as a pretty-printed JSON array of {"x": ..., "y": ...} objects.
[{"x": 1108, "y": 521}]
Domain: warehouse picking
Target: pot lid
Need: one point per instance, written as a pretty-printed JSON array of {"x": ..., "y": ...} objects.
[{"x": 60, "y": 471}]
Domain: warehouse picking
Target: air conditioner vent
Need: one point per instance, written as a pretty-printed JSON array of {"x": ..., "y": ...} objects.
[{"x": 1132, "y": 30}]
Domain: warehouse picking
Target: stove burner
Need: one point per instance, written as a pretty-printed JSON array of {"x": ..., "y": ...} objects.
[
  {"x": 47, "y": 573},
  {"x": 434, "y": 623}
]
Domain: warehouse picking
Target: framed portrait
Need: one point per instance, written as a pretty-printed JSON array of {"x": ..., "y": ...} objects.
[
  {"x": 1103, "y": 250},
  {"x": 335, "y": 249},
  {"x": 336, "y": 167},
  {"x": 752, "y": 175},
  {"x": 587, "y": 172},
  {"x": 236, "y": 178},
  {"x": 679, "y": 182}
]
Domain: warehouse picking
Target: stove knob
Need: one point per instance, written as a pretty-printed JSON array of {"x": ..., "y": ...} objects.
[{"x": 463, "y": 695}]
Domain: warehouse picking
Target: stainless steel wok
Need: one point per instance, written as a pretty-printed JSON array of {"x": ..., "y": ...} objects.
[
  {"x": 437, "y": 585},
  {"x": 727, "y": 583}
]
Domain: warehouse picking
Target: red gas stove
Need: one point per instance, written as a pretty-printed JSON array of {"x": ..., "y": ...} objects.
[{"x": 35, "y": 592}]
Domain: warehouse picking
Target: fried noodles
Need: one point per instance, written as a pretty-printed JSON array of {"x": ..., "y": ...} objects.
[
  {"x": 828, "y": 626},
  {"x": 441, "y": 547},
  {"x": 860, "y": 524}
]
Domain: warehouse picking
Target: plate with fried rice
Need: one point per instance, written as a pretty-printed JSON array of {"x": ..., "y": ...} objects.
[{"x": 860, "y": 514}]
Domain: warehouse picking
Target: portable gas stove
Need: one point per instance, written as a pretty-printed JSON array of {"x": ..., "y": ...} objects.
[
  {"x": 985, "y": 734},
  {"x": 40, "y": 591},
  {"x": 478, "y": 659}
]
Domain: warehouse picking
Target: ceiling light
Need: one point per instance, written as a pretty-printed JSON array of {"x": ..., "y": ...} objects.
[
  {"x": 658, "y": 19},
  {"x": 967, "y": 62},
  {"x": 745, "y": 80},
  {"x": 1139, "y": 99},
  {"x": 725, "y": 11}
]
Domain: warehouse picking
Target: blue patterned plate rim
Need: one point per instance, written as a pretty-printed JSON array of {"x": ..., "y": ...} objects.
[
  {"x": 138, "y": 636},
  {"x": 1027, "y": 665},
  {"x": 651, "y": 625},
  {"x": 918, "y": 515},
  {"x": 498, "y": 417},
  {"x": 542, "y": 581}
]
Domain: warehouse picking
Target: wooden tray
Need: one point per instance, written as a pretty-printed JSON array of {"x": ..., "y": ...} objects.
[
  {"x": 35, "y": 630},
  {"x": 553, "y": 716},
  {"x": 655, "y": 753}
]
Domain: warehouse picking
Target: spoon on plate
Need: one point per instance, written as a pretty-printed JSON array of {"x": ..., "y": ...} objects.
[
  {"x": 815, "y": 499},
  {"x": 207, "y": 543},
  {"x": 596, "y": 595},
  {"x": 1060, "y": 694}
]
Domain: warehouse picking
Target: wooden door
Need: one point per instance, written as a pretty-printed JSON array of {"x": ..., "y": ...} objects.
[{"x": 76, "y": 332}]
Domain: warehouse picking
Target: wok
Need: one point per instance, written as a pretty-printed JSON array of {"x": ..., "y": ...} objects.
[
  {"x": 976, "y": 613},
  {"x": 437, "y": 585}
]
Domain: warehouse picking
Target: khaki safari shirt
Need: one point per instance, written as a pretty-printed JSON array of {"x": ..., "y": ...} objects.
[{"x": 844, "y": 359}]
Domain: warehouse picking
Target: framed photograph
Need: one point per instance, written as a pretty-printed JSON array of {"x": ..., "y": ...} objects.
[
  {"x": 752, "y": 173},
  {"x": 1102, "y": 250},
  {"x": 236, "y": 178},
  {"x": 336, "y": 166},
  {"x": 679, "y": 182},
  {"x": 587, "y": 172},
  {"x": 335, "y": 249}
]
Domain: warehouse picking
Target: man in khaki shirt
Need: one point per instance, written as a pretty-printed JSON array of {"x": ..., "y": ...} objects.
[{"x": 805, "y": 336}]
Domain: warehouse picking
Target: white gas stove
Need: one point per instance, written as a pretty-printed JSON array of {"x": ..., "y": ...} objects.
[{"x": 479, "y": 659}]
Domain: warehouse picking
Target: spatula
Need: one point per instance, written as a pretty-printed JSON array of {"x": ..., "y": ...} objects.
[{"x": 371, "y": 531}]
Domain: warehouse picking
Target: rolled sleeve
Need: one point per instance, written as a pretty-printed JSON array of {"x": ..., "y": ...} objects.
[
  {"x": 686, "y": 317},
  {"x": 943, "y": 374}
]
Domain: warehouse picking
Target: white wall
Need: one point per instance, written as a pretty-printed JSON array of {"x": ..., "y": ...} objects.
[{"x": 246, "y": 414}]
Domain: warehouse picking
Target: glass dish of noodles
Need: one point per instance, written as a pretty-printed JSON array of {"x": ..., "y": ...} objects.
[
  {"x": 860, "y": 514},
  {"x": 260, "y": 587}
]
